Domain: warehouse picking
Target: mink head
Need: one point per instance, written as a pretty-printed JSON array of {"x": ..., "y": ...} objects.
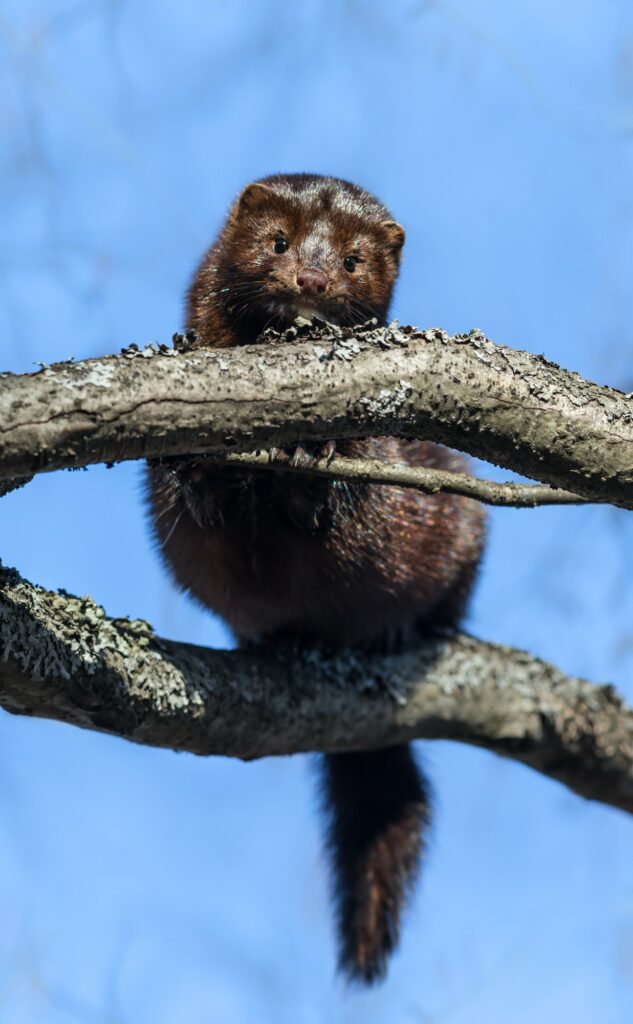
[{"x": 296, "y": 245}]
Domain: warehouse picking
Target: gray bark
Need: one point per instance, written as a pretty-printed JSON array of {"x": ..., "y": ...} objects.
[
  {"x": 506, "y": 406},
  {"x": 61, "y": 657}
]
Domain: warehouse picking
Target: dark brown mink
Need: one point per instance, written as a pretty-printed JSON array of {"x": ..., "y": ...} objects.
[{"x": 316, "y": 560}]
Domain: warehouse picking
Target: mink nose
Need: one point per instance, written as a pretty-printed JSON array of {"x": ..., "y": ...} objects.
[{"x": 312, "y": 282}]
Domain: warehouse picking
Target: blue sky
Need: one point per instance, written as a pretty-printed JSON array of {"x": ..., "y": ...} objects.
[{"x": 144, "y": 886}]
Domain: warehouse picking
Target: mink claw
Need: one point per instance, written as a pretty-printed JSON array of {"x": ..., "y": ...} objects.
[
  {"x": 328, "y": 452},
  {"x": 278, "y": 455},
  {"x": 310, "y": 454},
  {"x": 302, "y": 458}
]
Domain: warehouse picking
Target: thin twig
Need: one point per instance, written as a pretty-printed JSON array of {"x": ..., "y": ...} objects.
[{"x": 429, "y": 481}]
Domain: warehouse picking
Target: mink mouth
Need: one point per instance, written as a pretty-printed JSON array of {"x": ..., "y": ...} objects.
[
  {"x": 287, "y": 310},
  {"x": 307, "y": 310},
  {"x": 279, "y": 311}
]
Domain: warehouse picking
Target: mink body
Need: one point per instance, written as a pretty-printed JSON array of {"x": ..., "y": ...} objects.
[{"x": 318, "y": 560}]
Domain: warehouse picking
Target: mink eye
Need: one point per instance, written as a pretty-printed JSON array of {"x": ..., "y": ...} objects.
[
  {"x": 350, "y": 263},
  {"x": 280, "y": 244}
]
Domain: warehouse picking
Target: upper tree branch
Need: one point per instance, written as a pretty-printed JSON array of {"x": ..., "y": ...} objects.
[
  {"x": 62, "y": 658},
  {"x": 506, "y": 406}
]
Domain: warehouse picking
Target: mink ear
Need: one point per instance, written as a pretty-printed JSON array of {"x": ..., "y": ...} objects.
[
  {"x": 253, "y": 197},
  {"x": 395, "y": 234}
]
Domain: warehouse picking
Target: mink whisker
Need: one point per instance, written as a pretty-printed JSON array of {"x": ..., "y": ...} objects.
[{"x": 173, "y": 527}]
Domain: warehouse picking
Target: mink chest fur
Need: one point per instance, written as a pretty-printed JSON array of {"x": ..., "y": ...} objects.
[{"x": 322, "y": 561}]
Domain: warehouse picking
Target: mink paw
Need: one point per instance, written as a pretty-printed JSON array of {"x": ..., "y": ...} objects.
[{"x": 304, "y": 456}]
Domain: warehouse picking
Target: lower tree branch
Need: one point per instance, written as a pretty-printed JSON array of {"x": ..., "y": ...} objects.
[{"x": 61, "y": 657}]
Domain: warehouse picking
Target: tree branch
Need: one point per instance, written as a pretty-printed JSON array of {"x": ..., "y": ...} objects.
[
  {"x": 62, "y": 658},
  {"x": 12, "y": 484},
  {"x": 429, "y": 481},
  {"x": 506, "y": 406}
]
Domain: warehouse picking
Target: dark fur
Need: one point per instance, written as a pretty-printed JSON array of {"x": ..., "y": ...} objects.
[
  {"x": 314, "y": 559},
  {"x": 377, "y": 805}
]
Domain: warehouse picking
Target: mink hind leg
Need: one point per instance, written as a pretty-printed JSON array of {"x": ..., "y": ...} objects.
[{"x": 377, "y": 809}]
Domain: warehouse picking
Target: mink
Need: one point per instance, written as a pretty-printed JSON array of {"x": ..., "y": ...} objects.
[{"x": 281, "y": 556}]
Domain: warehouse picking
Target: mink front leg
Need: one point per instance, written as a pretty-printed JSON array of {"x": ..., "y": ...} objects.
[{"x": 309, "y": 502}]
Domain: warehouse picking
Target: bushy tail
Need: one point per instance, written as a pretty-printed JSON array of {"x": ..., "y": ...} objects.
[{"x": 377, "y": 807}]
